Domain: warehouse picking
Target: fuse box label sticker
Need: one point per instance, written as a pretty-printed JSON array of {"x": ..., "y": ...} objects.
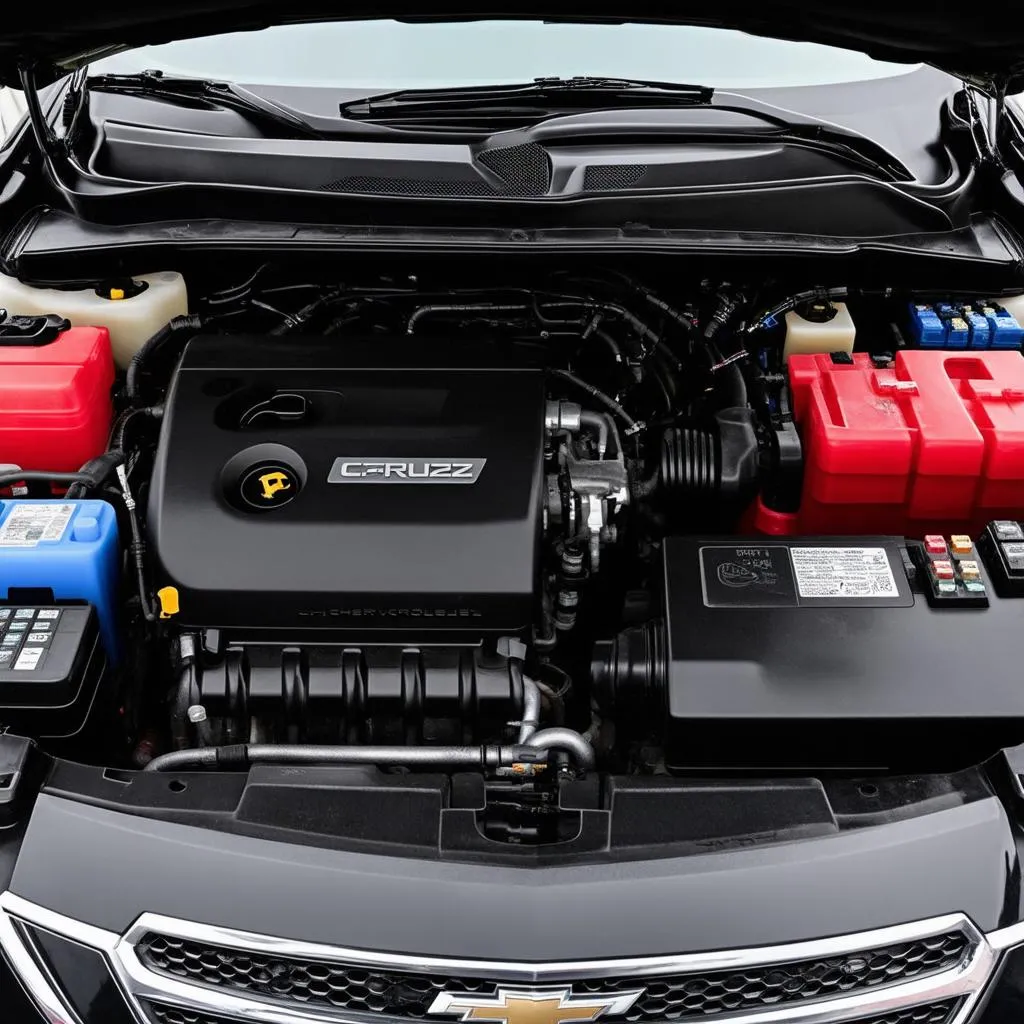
[
  {"x": 753, "y": 576},
  {"x": 27, "y": 525},
  {"x": 843, "y": 572}
]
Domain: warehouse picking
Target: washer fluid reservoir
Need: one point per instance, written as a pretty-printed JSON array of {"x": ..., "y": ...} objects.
[
  {"x": 132, "y": 308},
  {"x": 819, "y": 327}
]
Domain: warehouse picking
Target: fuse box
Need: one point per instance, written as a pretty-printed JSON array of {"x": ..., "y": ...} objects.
[{"x": 979, "y": 324}]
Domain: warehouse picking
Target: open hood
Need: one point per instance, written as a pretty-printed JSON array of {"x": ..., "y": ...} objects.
[{"x": 986, "y": 48}]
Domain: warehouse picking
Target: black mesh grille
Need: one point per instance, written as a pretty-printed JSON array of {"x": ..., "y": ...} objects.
[
  {"x": 933, "y": 1013},
  {"x": 164, "y": 1014},
  {"x": 666, "y": 997},
  {"x": 612, "y": 177},
  {"x": 526, "y": 170},
  {"x": 410, "y": 187}
]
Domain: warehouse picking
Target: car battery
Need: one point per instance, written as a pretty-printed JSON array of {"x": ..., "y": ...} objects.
[
  {"x": 853, "y": 652},
  {"x": 67, "y": 550},
  {"x": 55, "y": 393},
  {"x": 51, "y": 665},
  {"x": 935, "y": 442}
]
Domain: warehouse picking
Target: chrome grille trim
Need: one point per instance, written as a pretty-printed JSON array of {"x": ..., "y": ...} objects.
[
  {"x": 566, "y": 970},
  {"x": 688, "y": 996},
  {"x": 140, "y": 986}
]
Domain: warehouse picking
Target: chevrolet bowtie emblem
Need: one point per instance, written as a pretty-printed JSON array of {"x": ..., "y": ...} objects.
[{"x": 533, "y": 1005}]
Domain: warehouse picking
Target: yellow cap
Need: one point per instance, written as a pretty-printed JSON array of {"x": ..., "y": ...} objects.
[
  {"x": 168, "y": 598},
  {"x": 116, "y": 293},
  {"x": 961, "y": 544}
]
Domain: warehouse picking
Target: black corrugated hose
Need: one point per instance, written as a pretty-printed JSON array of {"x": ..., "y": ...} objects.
[{"x": 179, "y": 324}]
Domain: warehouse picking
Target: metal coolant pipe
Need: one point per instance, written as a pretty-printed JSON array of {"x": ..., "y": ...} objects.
[{"x": 486, "y": 757}]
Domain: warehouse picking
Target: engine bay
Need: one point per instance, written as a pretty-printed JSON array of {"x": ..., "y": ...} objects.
[{"x": 525, "y": 530}]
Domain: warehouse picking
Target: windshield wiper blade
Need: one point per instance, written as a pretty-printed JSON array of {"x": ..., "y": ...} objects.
[
  {"x": 490, "y": 108},
  {"x": 819, "y": 133},
  {"x": 256, "y": 108},
  {"x": 541, "y": 94}
]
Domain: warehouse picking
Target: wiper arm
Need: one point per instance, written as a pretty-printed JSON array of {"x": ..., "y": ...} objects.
[
  {"x": 257, "y": 109},
  {"x": 485, "y": 109},
  {"x": 542, "y": 93},
  {"x": 819, "y": 133}
]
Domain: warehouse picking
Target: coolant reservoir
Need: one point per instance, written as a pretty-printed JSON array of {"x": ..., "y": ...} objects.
[
  {"x": 132, "y": 309},
  {"x": 819, "y": 327}
]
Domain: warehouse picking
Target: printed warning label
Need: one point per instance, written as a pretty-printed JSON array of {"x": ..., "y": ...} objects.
[
  {"x": 748, "y": 576},
  {"x": 27, "y": 525},
  {"x": 843, "y": 572}
]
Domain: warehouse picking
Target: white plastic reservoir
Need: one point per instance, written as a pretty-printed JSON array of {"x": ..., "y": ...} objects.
[
  {"x": 1014, "y": 306},
  {"x": 130, "y": 318},
  {"x": 826, "y": 327}
]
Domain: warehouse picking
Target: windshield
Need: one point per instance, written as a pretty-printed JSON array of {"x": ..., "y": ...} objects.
[{"x": 384, "y": 54}]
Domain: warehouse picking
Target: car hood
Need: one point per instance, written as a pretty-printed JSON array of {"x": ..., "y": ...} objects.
[{"x": 987, "y": 49}]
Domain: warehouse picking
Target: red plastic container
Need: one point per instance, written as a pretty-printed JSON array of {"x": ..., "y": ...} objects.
[
  {"x": 935, "y": 444},
  {"x": 55, "y": 400}
]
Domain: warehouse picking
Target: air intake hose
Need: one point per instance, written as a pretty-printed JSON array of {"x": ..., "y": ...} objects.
[
  {"x": 718, "y": 464},
  {"x": 630, "y": 674}
]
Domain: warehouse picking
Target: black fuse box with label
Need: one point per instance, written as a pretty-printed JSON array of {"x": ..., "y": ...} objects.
[
  {"x": 864, "y": 652},
  {"x": 51, "y": 664}
]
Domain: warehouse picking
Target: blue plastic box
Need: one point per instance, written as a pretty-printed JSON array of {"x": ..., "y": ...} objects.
[
  {"x": 981, "y": 332},
  {"x": 928, "y": 330},
  {"x": 68, "y": 547},
  {"x": 958, "y": 332},
  {"x": 1006, "y": 332},
  {"x": 948, "y": 326}
]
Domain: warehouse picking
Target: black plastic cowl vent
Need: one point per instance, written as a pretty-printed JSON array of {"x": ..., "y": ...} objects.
[
  {"x": 613, "y": 177},
  {"x": 452, "y": 189},
  {"x": 522, "y": 171},
  {"x": 525, "y": 170}
]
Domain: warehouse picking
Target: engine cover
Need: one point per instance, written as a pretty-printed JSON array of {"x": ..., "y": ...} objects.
[{"x": 350, "y": 486}]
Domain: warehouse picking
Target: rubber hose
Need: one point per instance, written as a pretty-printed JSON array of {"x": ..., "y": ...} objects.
[
  {"x": 184, "y": 695},
  {"x": 608, "y": 402},
  {"x": 189, "y": 322}
]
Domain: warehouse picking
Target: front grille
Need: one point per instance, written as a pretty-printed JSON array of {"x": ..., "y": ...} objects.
[
  {"x": 678, "y": 996},
  {"x": 161, "y": 1013},
  {"x": 933, "y": 1013}
]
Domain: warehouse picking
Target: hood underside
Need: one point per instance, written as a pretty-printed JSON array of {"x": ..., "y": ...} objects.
[{"x": 992, "y": 57}]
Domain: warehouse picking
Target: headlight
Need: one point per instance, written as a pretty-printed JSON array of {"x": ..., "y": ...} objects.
[
  {"x": 1006, "y": 999},
  {"x": 34, "y": 979},
  {"x": 86, "y": 991}
]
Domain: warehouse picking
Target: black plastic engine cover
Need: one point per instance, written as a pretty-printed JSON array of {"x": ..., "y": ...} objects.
[{"x": 350, "y": 486}]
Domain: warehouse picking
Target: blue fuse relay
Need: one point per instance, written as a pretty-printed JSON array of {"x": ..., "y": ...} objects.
[
  {"x": 960, "y": 326},
  {"x": 928, "y": 330},
  {"x": 67, "y": 547}
]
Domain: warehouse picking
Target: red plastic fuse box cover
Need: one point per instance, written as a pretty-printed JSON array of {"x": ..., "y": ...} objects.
[
  {"x": 935, "y": 442},
  {"x": 55, "y": 400}
]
